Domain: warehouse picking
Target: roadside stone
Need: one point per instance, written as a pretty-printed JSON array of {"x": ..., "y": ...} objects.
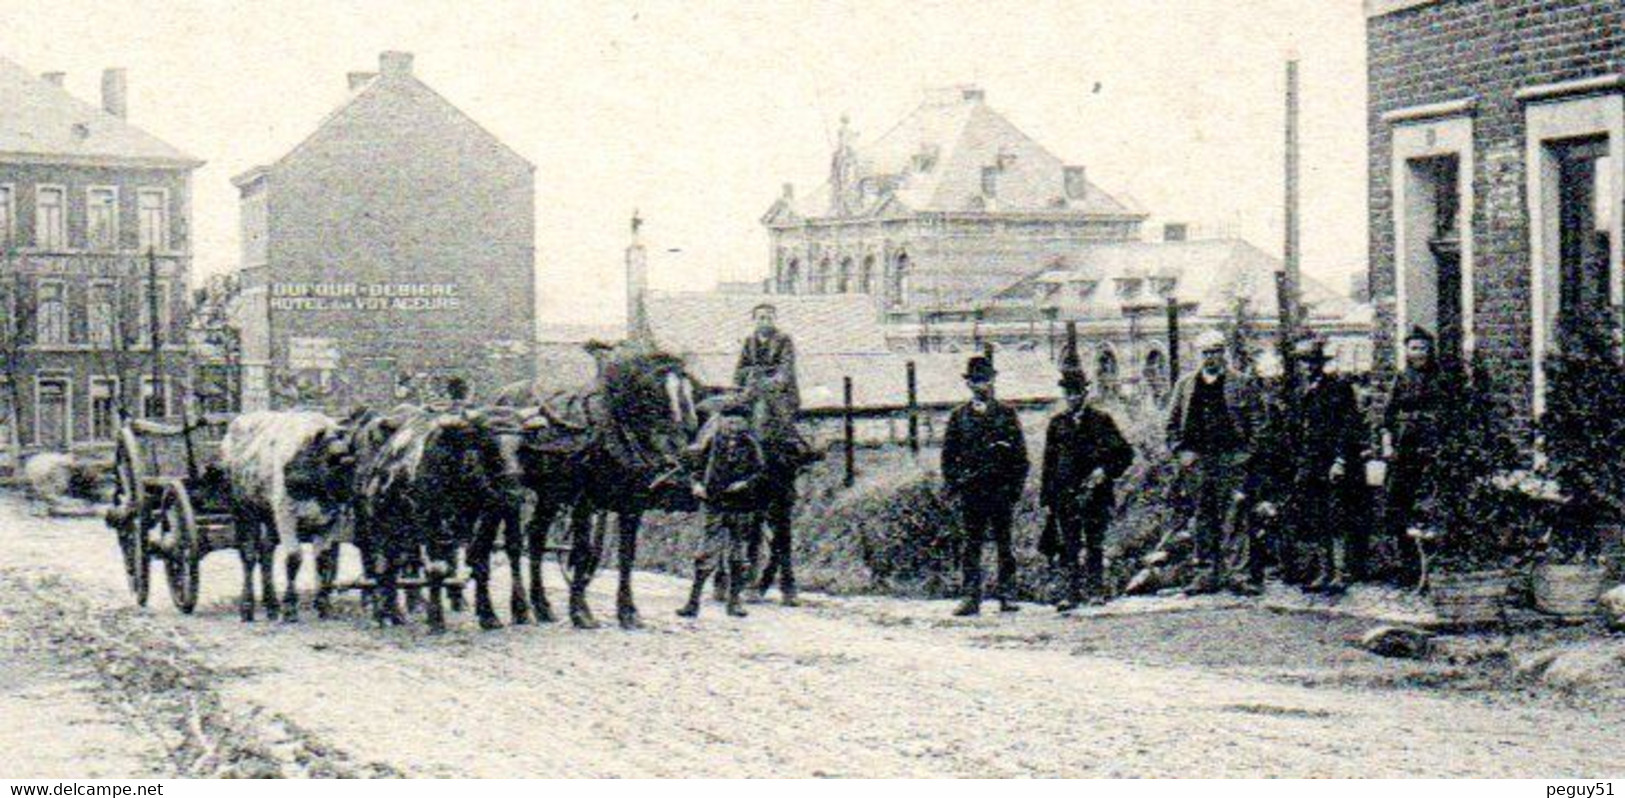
[
  {"x": 1613, "y": 607},
  {"x": 1404, "y": 642},
  {"x": 1576, "y": 668}
]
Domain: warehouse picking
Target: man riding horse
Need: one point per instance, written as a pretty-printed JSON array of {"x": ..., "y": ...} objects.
[{"x": 767, "y": 374}]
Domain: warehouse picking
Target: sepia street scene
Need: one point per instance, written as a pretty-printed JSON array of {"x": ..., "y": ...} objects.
[{"x": 1090, "y": 389}]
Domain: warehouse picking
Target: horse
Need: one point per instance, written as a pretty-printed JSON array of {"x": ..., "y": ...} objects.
[{"x": 612, "y": 447}]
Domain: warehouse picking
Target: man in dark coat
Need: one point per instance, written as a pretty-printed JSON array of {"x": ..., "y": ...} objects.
[
  {"x": 766, "y": 372},
  {"x": 1212, "y": 419},
  {"x": 1412, "y": 432},
  {"x": 1327, "y": 435},
  {"x": 1084, "y": 454},
  {"x": 984, "y": 464}
]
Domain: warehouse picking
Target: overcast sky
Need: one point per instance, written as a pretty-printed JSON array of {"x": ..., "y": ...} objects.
[{"x": 695, "y": 113}]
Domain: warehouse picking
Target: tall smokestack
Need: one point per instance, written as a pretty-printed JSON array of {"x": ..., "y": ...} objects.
[{"x": 115, "y": 93}]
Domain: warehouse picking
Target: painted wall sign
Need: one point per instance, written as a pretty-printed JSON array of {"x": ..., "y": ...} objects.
[
  {"x": 318, "y": 354},
  {"x": 366, "y": 296}
]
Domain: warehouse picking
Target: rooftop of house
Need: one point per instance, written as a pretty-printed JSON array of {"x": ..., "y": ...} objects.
[
  {"x": 943, "y": 157},
  {"x": 43, "y": 122},
  {"x": 393, "y": 79},
  {"x": 1100, "y": 279}
]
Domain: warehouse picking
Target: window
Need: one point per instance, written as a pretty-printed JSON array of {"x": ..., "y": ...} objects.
[
  {"x": 50, "y": 217},
  {"x": 52, "y": 309},
  {"x": 843, "y": 283},
  {"x": 866, "y": 276},
  {"x": 102, "y": 315},
  {"x": 153, "y": 204},
  {"x": 8, "y": 212},
  {"x": 1128, "y": 288},
  {"x": 1163, "y": 286},
  {"x": 990, "y": 181},
  {"x": 103, "y": 408},
  {"x": 101, "y": 218},
  {"x": 897, "y": 291},
  {"x": 1086, "y": 289},
  {"x": 792, "y": 277},
  {"x": 52, "y": 413},
  {"x": 1431, "y": 169},
  {"x": 1076, "y": 185},
  {"x": 144, "y": 301},
  {"x": 154, "y": 398}
]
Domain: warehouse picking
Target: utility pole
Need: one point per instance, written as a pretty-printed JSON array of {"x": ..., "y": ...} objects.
[{"x": 1291, "y": 255}]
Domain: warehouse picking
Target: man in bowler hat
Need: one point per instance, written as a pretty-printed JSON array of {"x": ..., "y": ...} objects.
[
  {"x": 1084, "y": 454},
  {"x": 984, "y": 464}
]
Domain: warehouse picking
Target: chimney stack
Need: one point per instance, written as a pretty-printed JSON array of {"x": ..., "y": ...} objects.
[
  {"x": 1176, "y": 231},
  {"x": 789, "y": 191},
  {"x": 115, "y": 93},
  {"x": 359, "y": 79},
  {"x": 54, "y": 78},
  {"x": 393, "y": 63},
  {"x": 973, "y": 94}
]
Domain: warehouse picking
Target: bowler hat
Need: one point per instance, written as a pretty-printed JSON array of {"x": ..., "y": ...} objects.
[
  {"x": 1075, "y": 380},
  {"x": 980, "y": 369}
]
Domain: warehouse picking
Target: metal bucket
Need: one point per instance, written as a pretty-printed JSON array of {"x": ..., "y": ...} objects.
[{"x": 1569, "y": 591}]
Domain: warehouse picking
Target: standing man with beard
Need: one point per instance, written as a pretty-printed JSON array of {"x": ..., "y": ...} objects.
[
  {"x": 984, "y": 465},
  {"x": 1211, "y": 424},
  {"x": 1327, "y": 434}
]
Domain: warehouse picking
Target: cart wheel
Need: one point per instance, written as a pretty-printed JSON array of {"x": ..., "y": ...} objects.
[
  {"x": 183, "y": 548},
  {"x": 128, "y": 516}
]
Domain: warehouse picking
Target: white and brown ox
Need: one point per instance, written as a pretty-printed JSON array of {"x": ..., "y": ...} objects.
[{"x": 290, "y": 474}]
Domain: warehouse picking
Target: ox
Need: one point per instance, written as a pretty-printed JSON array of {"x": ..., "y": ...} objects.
[
  {"x": 438, "y": 483},
  {"x": 290, "y": 475}
]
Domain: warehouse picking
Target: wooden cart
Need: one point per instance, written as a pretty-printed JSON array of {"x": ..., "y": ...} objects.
[{"x": 171, "y": 503}]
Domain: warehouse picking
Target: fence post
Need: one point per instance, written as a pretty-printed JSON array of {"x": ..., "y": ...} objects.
[
  {"x": 851, "y": 432},
  {"x": 913, "y": 410},
  {"x": 1173, "y": 341}
]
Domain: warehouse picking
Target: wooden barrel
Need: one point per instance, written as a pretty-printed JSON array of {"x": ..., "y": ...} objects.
[
  {"x": 1569, "y": 591},
  {"x": 1473, "y": 598}
]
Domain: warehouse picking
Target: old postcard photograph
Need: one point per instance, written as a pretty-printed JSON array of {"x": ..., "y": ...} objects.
[{"x": 888, "y": 389}]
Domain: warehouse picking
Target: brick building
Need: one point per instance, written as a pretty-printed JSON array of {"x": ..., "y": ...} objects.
[
  {"x": 952, "y": 203},
  {"x": 1497, "y": 177},
  {"x": 91, "y": 207},
  {"x": 396, "y": 240}
]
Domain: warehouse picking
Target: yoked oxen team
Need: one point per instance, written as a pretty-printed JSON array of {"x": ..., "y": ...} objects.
[{"x": 416, "y": 488}]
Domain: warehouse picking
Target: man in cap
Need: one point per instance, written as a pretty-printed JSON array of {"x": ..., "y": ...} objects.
[
  {"x": 1211, "y": 421},
  {"x": 1084, "y": 454},
  {"x": 1412, "y": 432},
  {"x": 984, "y": 464},
  {"x": 1327, "y": 435},
  {"x": 727, "y": 477}
]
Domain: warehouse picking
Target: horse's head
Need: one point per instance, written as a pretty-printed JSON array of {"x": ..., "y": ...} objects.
[{"x": 649, "y": 391}]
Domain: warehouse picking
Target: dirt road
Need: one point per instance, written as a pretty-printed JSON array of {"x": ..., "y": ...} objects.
[{"x": 849, "y": 687}]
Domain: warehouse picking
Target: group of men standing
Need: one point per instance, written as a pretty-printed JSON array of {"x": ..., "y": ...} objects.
[{"x": 1271, "y": 473}]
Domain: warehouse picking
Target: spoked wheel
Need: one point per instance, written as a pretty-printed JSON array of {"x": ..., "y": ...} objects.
[
  {"x": 183, "y": 548},
  {"x": 128, "y": 516}
]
